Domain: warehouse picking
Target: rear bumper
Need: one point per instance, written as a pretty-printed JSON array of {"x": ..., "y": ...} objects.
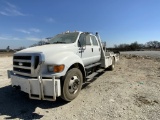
[{"x": 41, "y": 89}]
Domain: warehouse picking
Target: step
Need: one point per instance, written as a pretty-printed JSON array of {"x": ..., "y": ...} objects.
[
  {"x": 92, "y": 65},
  {"x": 92, "y": 75},
  {"x": 100, "y": 70}
]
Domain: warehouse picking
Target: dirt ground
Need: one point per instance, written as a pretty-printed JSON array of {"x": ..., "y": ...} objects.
[
  {"x": 4, "y": 54},
  {"x": 154, "y": 54},
  {"x": 130, "y": 92}
]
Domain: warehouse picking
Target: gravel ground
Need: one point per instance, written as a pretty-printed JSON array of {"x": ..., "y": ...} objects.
[
  {"x": 130, "y": 92},
  {"x": 155, "y": 54}
]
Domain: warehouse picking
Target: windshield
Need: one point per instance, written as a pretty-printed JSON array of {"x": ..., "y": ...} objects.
[{"x": 64, "y": 38}]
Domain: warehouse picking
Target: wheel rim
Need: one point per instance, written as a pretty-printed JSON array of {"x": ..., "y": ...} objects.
[
  {"x": 113, "y": 63},
  {"x": 73, "y": 85}
]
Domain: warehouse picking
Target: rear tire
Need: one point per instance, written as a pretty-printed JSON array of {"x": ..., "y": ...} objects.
[
  {"x": 113, "y": 64},
  {"x": 72, "y": 84}
]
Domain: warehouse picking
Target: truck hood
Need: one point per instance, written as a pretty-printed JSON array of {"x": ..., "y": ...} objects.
[{"x": 49, "y": 48}]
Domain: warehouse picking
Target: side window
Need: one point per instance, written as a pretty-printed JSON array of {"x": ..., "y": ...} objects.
[
  {"x": 84, "y": 39},
  {"x": 88, "y": 42},
  {"x": 81, "y": 41},
  {"x": 94, "y": 41}
]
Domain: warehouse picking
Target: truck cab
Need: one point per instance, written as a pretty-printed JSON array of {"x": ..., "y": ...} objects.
[
  {"x": 60, "y": 67},
  {"x": 89, "y": 48}
]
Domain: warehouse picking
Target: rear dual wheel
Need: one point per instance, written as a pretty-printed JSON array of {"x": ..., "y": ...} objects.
[
  {"x": 113, "y": 64},
  {"x": 72, "y": 84}
]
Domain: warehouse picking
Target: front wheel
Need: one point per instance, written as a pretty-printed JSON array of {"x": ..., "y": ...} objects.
[{"x": 72, "y": 84}]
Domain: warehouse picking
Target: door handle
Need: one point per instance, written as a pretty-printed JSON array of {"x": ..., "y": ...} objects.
[
  {"x": 80, "y": 51},
  {"x": 92, "y": 49}
]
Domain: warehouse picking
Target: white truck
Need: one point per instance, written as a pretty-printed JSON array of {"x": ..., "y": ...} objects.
[{"x": 61, "y": 66}]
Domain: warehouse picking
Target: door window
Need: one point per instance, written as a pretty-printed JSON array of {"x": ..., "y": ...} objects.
[
  {"x": 81, "y": 41},
  {"x": 88, "y": 41},
  {"x": 84, "y": 39},
  {"x": 94, "y": 41}
]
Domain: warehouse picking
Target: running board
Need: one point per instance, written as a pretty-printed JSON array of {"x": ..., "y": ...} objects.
[
  {"x": 100, "y": 70},
  {"x": 94, "y": 74},
  {"x": 92, "y": 65}
]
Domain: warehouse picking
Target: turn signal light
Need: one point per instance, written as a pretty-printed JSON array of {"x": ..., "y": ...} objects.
[{"x": 58, "y": 68}]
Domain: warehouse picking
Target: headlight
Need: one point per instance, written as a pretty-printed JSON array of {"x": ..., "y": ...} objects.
[
  {"x": 56, "y": 68},
  {"x": 50, "y": 68}
]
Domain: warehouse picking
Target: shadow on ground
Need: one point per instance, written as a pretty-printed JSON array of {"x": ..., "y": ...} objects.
[
  {"x": 18, "y": 105},
  {"x": 86, "y": 85}
]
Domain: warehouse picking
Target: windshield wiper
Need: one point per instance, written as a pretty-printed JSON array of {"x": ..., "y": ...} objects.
[{"x": 58, "y": 42}]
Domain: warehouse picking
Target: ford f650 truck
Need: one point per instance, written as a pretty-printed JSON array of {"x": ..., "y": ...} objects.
[{"x": 61, "y": 66}]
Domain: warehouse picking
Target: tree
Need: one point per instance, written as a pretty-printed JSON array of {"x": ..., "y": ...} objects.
[
  {"x": 153, "y": 44},
  {"x": 8, "y": 48},
  {"x": 134, "y": 46},
  {"x": 22, "y": 47}
]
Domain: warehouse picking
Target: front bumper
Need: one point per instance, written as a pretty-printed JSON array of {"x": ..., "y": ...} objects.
[{"x": 41, "y": 89}]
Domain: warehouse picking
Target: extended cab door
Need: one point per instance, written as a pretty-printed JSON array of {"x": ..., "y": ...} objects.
[
  {"x": 96, "y": 48},
  {"x": 85, "y": 49}
]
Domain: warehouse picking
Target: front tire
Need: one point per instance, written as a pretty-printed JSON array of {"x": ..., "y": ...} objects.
[{"x": 72, "y": 84}]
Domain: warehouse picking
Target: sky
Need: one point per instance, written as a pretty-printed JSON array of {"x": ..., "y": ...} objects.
[{"x": 25, "y": 22}]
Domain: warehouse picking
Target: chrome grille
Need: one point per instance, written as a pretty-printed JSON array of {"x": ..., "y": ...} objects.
[{"x": 27, "y": 64}]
